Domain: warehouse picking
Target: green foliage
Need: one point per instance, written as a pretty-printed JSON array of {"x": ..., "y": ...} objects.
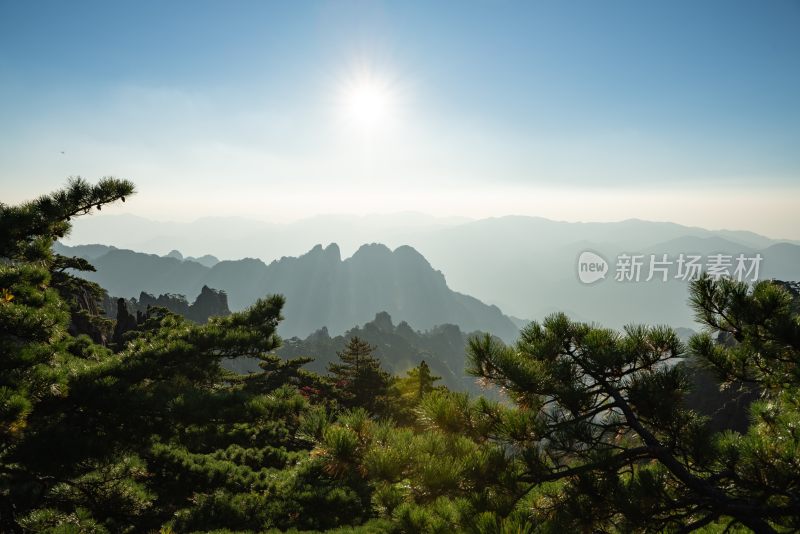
[
  {"x": 407, "y": 392},
  {"x": 157, "y": 432},
  {"x": 593, "y": 432},
  {"x": 602, "y": 413},
  {"x": 418, "y": 382},
  {"x": 358, "y": 380},
  {"x": 436, "y": 478},
  {"x": 399, "y": 347},
  {"x": 27, "y": 231},
  {"x": 761, "y": 329}
]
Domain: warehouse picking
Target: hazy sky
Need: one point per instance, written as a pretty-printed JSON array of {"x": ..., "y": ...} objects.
[{"x": 598, "y": 110}]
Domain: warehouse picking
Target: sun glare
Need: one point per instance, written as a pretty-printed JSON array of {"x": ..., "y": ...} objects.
[{"x": 367, "y": 101}]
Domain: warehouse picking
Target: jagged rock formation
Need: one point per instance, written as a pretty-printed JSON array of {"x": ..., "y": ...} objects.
[
  {"x": 320, "y": 287},
  {"x": 525, "y": 265},
  {"x": 125, "y": 322},
  {"x": 209, "y": 303}
]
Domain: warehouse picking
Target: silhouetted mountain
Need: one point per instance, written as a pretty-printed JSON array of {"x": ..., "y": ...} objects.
[
  {"x": 782, "y": 262},
  {"x": 88, "y": 252},
  {"x": 528, "y": 265},
  {"x": 525, "y": 265},
  {"x": 207, "y": 259},
  {"x": 321, "y": 289}
]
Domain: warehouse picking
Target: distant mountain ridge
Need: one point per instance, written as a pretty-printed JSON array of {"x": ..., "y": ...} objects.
[
  {"x": 237, "y": 237},
  {"x": 322, "y": 289},
  {"x": 525, "y": 265}
]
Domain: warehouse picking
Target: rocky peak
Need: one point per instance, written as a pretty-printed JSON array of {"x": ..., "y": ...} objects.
[
  {"x": 209, "y": 303},
  {"x": 383, "y": 322}
]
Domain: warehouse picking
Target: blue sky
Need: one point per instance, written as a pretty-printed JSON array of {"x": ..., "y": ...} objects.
[{"x": 684, "y": 111}]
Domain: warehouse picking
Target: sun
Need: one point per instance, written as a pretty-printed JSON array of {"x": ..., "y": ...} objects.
[{"x": 368, "y": 102}]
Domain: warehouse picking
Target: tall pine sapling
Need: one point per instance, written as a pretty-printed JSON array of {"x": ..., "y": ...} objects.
[{"x": 358, "y": 379}]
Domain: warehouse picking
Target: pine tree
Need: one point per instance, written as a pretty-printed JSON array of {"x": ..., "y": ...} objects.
[
  {"x": 38, "y": 356},
  {"x": 420, "y": 381},
  {"x": 760, "y": 331},
  {"x": 602, "y": 414},
  {"x": 437, "y": 475},
  {"x": 34, "y": 319},
  {"x": 159, "y": 433},
  {"x": 358, "y": 378},
  {"x": 407, "y": 393}
]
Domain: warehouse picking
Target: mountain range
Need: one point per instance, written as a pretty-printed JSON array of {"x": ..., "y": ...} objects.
[
  {"x": 321, "y": 288},
  {"x": 527, "y": 266}
]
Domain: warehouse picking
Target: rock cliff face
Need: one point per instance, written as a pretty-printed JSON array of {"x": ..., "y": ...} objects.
[
  {"x": 126, "y": 322},
  {"x": 209, "y": 303}
]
